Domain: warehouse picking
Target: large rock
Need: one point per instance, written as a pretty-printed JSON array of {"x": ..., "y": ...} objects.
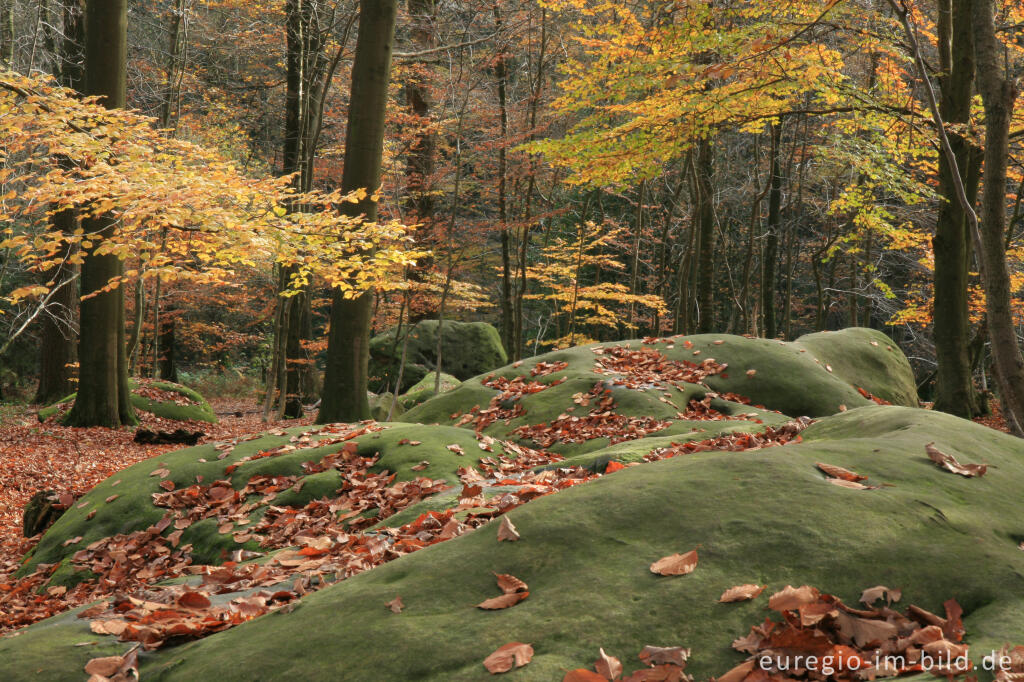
[
  {"x": 424, "y": 389},
  {"x": 817, "y": 375},
  {"x": 468, "y": 349},
  {"x": 765, "y": 516},
  {"x": 163, "y": 399}
]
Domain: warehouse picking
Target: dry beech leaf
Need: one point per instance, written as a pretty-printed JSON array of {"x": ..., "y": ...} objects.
[
  {"x": 421, "y": 466},
  {"x": 608, "y": 666},
  {"x": 511, "y": 655},
  {"x": 112, "y": 498},
  {"x": 509, "y": 583},
  {"x": 395, "y": 604},
  {"x": 583, "y": 675},
  {"x": 840, "y": 472},
  {"x": 456, "y": 448},
  {"x": 105, "y": 667},
  {"x": 737, "y": 674},
  {"x": 507, "y": 531},
  {"x": 162, "y": 473},
  {"x": 676, "y": 564},
  {"x": 661, "y": 655},
  {"x": 751, "y": 372},
  {"x": 950, "y": 463},
  {"x": 864, "y": 632},
  {"x": 852, "y": 485},
  {"x": 873, "y": 594},
  {"x": 791, "y": 598},
  {"x": 741, "y": 593},
  {"x": 503, "y": 602}
]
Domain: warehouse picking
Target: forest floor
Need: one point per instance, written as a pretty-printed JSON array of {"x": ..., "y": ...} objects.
[{"x": 38, "y": 456}]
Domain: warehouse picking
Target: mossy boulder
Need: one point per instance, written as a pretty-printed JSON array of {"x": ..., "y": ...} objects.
[
  {"x": 467, "y": 349},
  {"x": 780, "y": 380},
  {"x": 385, "y": 406},
  {"x": 162, "y": 399},
  {"x": 132, "y": 508},
  {"x": 766, "y": 516},
  {"x": 424, "y": 389}
]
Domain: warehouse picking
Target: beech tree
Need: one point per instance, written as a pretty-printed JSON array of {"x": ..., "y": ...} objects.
[
  {"x": 102, "y": 398},
  {"x": 345, "y": 382}
]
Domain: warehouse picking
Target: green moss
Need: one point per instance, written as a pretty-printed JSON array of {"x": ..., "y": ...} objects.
[
  {"x": 197, "y": 410},
  {"x": 762, "y": 516},
  {"x": 424, "y": 389}
]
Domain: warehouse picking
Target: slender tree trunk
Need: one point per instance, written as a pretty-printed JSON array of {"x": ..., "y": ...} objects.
[
  {"x": 771, "y": 244},
  {"x": 344, "y": 394},
  {"x": 57, "y": 332},
  {"x": 103, "y": 371},
  {"x": 501, "y": 74},
  {"x": 954, "y": 388},
  {"x": 7, "y": 34},
  {"x": 705, "y": 285},
  {"x": 998, "y": 95}
]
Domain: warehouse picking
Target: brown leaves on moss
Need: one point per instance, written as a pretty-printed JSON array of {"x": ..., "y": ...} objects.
[
  {"x": 509, "y": 656},
  {"x": 950, "y": 463},
  {"x": 820, "y": 637},
  {"x": 676, "y": 564},
  {"x": 741, "y": 593}
]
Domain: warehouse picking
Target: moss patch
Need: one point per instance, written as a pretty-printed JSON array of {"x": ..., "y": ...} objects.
[
  {"x": 197, "y": 408},
  {"x": 763, "y": 516}
]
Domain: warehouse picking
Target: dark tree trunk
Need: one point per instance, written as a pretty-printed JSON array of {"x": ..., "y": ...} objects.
[
  {"x": 998, "y": 95},
  {"x": 168, "y": 369},
  {"x": 501, "y": 74},
  {"x": 954, "y": 388},
  {"x": 344, "y": 393},
  {"x": 705, "y": 284},
  {"x": 771, "y": 244},
  {"x": 7, "y": 33},
  {"x": 103, "y": 370},
  {"x": 57, "y": 332}
]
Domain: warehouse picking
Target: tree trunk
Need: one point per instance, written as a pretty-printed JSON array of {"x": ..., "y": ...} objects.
[
  {"x": 7, "y": 34},
  {"x": 103, "y": 371},
  {"x": 344, "y": 393},
  {"x": 998, "y": 95},
  {"x": 57, "y": 333},
  {"x": 954, "y": 388},
  {"x": 705, "y": 284},
  {"x": 771, "y": 244},
  {"x": 501, "y": 74}
]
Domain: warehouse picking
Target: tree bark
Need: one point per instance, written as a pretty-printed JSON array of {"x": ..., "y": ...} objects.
[
  {"x": 501, "y": 75},
  {"x": 771, "y": 244},
  {"x": 57, "y": 332},
  {"x": 998, "y": 95},
  {"x": 954, "y": 388},
  {"x": 103, "y": 371},
  {"x": 344, "y": 394},
  {"x": 705, "y": 285}
]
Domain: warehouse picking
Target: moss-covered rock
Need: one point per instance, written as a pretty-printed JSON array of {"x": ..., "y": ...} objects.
[
  {"x": 162, "y": 399},
  {"x": 131, "y": 507},
  {"x": 424, "y": 389},
  {"x": 766, "y": 516},
  {"x": 385, "y": 406},
  {"x": 468, "y": 349}
]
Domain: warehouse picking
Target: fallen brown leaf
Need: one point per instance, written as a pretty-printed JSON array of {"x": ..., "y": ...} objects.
[
  {"x": 511, "y": 655},
  {"x": 873, "y": 594},
  {"x": 741, "y": 593},
  {"x": 608, "y": 666},
  {"x": 950, "y": 463},
  {"x": 791, "y": 598},
  {"x": 676, "y": 564},
  {"x": 395, "y": 605},
  {"x": 583, "y": 675},
  {"x": 840, "y": 472},
  {"x": 509, "y": 583},
  {"x": 503, "y": 602},
  {"x": 507, "y": 531},
  {"x": 658, "y": 655}
]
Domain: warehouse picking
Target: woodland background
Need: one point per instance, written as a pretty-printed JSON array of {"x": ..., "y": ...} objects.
[{"x": 570, "y": 170}]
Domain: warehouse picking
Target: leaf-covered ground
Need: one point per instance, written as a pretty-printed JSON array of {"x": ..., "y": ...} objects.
[{"x": 348, "y": 540}]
